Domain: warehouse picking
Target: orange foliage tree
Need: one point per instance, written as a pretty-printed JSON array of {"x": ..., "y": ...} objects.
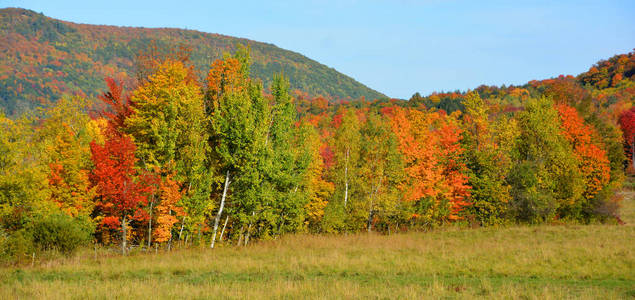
[
  {"x": 588, "y": 148},
  {"x": 167, "y": 210},
  {"x": 436, "y": 177}
]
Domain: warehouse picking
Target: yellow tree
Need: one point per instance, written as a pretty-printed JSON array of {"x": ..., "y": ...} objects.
[
  {"x": 318, "y": 188},
  {"x": 66, "y": 140},
  {"x": 167, "y": 124}
]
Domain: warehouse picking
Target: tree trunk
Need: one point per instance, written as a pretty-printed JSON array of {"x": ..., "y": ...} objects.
[
  {"x": 123, "y": 235},
  {"x": 182, "y": 225},
  {"x": 220, "y": 209},
  {"x": 145, "y": 166},
  {"x": 223, "y": 231},
  {"x": 251, "y": 222},
  {"x": 150, "y": 224},
  {"x": 240, "y": 237},
  {"x": 373, "y": 193},
  {"x": 280, "y": 224},
  {"x": 346, "y": 178},
  {"x": 170, "y": 240},
  {"x": 370, "y": 218},
  {"x": 247, "y": 234}
]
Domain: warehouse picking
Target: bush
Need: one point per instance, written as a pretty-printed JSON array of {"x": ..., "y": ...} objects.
[
  {"x": 15, "y": 246},
  {"x": 61, "y": 232}
]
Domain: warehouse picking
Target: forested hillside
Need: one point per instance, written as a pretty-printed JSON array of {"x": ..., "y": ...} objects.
[{"x": 44, "y": 58}]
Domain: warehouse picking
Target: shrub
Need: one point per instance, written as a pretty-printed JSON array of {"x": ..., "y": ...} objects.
[
  {"x": 61, "y": 232},
  {"x": 15, "y": 246}
]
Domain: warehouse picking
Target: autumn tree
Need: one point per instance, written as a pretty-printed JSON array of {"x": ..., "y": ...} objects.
[
  {"x": 237, "y": 129},
  {"x": 167, "y": 125},
  {"x": 381, "y": 171},
  {"x": 65, "y": 138},
  {"x": 488, "y": 160},
  {"x": 24, "y": 189},
  {"x": 590, "y": 153},
  {"x": 317, "y": 188},
  {"x": 167, "y": 210},
  {"x": 122, "y": 192},
  {"x": 436, "y": 180},
  {"x": 546, "y": 180},
  {"x": 345, "y": 173},
  {"x": 627, "y": 124}
]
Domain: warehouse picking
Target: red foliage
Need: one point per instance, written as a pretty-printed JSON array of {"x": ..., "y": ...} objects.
[
  {"x": 120, "y": 190},
  {"x": 327, "y": 156},
  {"x": 627, "y": 124},
  {"x": 337, "y": 119},
  {"x": 119, "y": 104}
]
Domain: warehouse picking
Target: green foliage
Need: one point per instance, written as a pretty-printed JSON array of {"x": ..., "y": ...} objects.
[
  {"x": 61, "y": 232},
  {"x": 382, "y": 172},
  {"x": 23, "y": 176},
  {"x": 54, "y": 232},
  {"x": 15, "y": 246},
  {"x": 346, "y": 173},
  {"x": 547, "y": 181},
  {"x": 488, "y": 160}
]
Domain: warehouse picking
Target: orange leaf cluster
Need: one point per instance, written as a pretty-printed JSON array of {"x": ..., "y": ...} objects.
[
  {"x": 588, "y": 148},
  {"x": 429, "y": 142},
  {"x": 167, "y": 209}
]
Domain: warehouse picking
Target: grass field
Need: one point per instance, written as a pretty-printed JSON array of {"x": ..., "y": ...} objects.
[{"x": 539, "y": 262}]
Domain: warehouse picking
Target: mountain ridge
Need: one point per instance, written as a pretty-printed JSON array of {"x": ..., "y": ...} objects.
[{"x": 44, "y": 58}]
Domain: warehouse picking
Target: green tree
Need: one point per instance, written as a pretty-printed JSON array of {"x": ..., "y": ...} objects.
[
  {"x": 489, "y": 162},
  {"x": 24, "y": 189},
  {"x": 546, "y": 179},
  {"x": 289, "y": 159},
  {"x": 238, "y": 133},
  {"x": 381, "y": 171},
  {"x": 168, "y": 127},
  {"x": 345, "y": 173}
]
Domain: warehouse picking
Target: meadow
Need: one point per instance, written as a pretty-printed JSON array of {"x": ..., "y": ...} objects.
[{"x": 519, "y": 262}]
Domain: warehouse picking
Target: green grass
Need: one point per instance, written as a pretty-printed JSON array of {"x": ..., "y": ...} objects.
[{"x": 523, "y": 262}]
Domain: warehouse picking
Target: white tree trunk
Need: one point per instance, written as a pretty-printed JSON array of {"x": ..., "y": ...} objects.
[
  {"x": 123, "y": 235},
  {"x": 170, "y": 240},
  {"x": 220, "y": 209},
  {"x": 346, "y": 178},
  {"x": 182, "y": 225},
  {"x": 240, "y": 237},
  {"x": 150, "y": 224},
  {"x": 223, "y": 231},
  {"x": 249, "y": 228}
]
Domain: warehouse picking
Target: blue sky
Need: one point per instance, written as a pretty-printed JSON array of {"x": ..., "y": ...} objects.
[{"x": 397, "y": 47}]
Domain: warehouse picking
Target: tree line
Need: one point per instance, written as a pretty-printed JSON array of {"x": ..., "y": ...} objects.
[{"x": 172, "y": 158}]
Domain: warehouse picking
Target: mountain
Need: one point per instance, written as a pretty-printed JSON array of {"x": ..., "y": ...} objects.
[{"x": 43, "y": 58}]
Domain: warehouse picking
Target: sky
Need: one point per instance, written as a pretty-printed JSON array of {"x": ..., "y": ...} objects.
[{"x": 397, "y": 47}]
